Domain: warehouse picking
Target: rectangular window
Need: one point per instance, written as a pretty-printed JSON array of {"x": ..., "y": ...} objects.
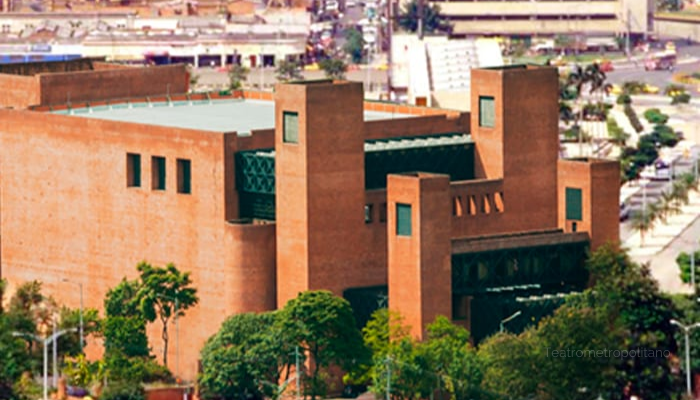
[
  {"x": 157, "y": 173},
  {"x": 574, "y": 204},
  {"x": 368, "y": 213},
  {"x": 403, "y": 219},
  {"x": 290, "y": 126},
  {"x": 184, "y": 176},
  {"x": 382, "y": 212},
  {"x": 487, "y": 111},
  {"x": 133, "y": 170}
]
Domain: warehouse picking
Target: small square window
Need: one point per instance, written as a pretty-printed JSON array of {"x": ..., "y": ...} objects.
[
  {"x": 487, "y": 111},
  {"x": 184, "y": 171},
  {"x": 290, "y": 126},
  {"x": 157, "y": 173},
  {"x": 368, "y": 213},
  {"x": 403, "y": 219},
  {"x": 133, "y": 170},
  {"x": 574, "y": 203}
]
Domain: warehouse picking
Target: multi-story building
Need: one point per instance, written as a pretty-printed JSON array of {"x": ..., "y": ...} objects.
[
  {"x": 547, "y": 17},
  {"x": 469, "y": 216}
]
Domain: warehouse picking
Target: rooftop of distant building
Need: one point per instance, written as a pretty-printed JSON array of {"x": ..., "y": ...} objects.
[{"x": 230, "y": 115}]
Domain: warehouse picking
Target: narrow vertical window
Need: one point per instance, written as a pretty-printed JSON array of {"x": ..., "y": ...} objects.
[
  {"x": 133, "y": 170},
  {"x": 184, "y": 176},
  {"x": 290, "y": 127},
  {"x": 368, "y": 213},
  {"x": 403, "y": 219},
  {"x": 574, "y": 204},
  {"x": 487, "y": 112},
  {"x": 157, "y": 173}
]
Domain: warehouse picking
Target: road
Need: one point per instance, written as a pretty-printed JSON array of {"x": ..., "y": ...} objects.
[{"x": 629, "y": 72}]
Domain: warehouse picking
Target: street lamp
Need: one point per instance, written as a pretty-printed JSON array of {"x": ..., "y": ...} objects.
[
  {"x": 512, "y": 317},
  {"x": 686, "y": 331},
  {"x": 45, "y": 342},
  {"x": 80, "y": 284},
  {"x": 177, "y": 332}
]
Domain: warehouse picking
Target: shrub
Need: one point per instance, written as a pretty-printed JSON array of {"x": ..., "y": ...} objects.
[
  {"x": 136, "y": 369},
  {"x": 633, "y": 87},
  {"x": 681, "y": 98},
  {"x": 634, "y": 119},
  {"x": 624, "y": 98},
  {"x": 123, "y": 391},
  {"x": 654, "y": 116},
  {"x": 672, "y": 90}
]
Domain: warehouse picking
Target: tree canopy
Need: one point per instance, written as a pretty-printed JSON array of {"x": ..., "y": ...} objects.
[{"x": 432, "y": 20}]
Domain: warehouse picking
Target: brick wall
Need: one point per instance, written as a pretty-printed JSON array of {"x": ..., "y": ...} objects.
[
  {"x": 67, "y": 212},
  {"x": 104, "y": 84},
  {"x": 18, "y": 91}
]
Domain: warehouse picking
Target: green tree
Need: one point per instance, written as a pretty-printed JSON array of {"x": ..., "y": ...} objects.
[
  {"x": 69, "y": 345},
  {"x": 616, "y": 133},
  {"x": 124, "y": 327},
  {"x": 667, "y": 5},
  {"x": 288, "y": 71},
  {"x": 453, "y": 360},
  {"x": 644, "y": 220},
  {"x": 630, "y": 297},
  {"x": 543, "y": 362},
  {"x": 410, "y": 371},
  {"x": 323, "y": 325},
  {"x": 236, "y": 76},
  {"x": 334, "y": 68},
  {"x": 432, "y": 20},
  {"x": 509, "y": 367},
  {"x": 354, "y": 45},
  {"x": 164, "y": 293},
  {"x": 246, "y": 358},
  {"x": 683, "y": 262},
  {"x": 13, "y": 353}
]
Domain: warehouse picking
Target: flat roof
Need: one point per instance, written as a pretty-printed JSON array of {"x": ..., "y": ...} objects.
[{"x": 231, "y": 115}]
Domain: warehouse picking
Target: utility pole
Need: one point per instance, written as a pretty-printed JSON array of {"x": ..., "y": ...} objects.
[
  {"x": 686, "y": 330},
  {"x": 421, "y": 12},
  {"x": 297, "y": 366},
  {"x": 627, "y": 37},
  {"x": 390, "y": 29}
]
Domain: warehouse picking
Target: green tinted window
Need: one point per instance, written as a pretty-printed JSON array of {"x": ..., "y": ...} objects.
[
  {"x": 291, "y": 127},
  {"x": 487, "y": 111},
  {"x": 403, "y": 219},
  {"x": 574, "y": 204}
]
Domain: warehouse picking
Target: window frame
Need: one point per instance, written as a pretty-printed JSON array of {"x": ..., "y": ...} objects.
[
  {"x": 404, "y": 212},
  {"x": 285, "y": 122},
  {"x": 184, "y": 176},
  {"x": 158, "y": 173},
  {"x": 133, "y": 170},
  {"x": 482, "y": 122}
]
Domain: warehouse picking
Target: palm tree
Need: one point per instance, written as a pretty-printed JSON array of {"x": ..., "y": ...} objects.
[
  {"x": 667, "y": 207},
  {"x": 591, "y": 76},
  {"x": 643, "y": 221},
  {"x": 679, "y": 191}
]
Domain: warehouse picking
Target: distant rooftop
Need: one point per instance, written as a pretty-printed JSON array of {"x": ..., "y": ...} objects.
[{"x": 237, "y": 115}]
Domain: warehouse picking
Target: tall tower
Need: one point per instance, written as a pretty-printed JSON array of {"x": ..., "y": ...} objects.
[{"x": 320, "y": 186}]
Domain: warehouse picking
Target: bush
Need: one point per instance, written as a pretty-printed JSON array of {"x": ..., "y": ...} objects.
[
  {"x": 672, "y": 90},
  {"x": 123, "y": 391},
  {"x": 624, "y": 98},
  {"x": 682, "y": 98},
  {"x": 634, "y": 119},
  {"x": 633, "y": 87},
  {"x": 654, "y": 116},
  {"x": 136, "y": 369},
  {"x": 595, "y": 112}
]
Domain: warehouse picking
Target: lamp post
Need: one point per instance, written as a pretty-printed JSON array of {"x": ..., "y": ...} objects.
[
  {"x": 512, "y": 317},
  {"x": 45, "y": 342},
  {"x": 80, "y": 285},
  {"x": 686, "y": 332},
  {"x": 177, "y": 332}
]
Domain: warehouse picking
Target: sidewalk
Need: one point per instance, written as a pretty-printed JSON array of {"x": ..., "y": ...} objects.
[{"x": 657, "y": 250}]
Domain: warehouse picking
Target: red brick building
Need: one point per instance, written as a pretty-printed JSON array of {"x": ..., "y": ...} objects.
[{"x": 469, "y": 216}]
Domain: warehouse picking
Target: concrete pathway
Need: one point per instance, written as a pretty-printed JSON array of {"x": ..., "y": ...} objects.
[{"x": 662, "y": 245}]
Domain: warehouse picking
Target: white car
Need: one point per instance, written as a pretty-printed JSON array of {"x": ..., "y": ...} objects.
[
  {"x": 350, "y": 3},
  {"x": 332, "y": 5}
]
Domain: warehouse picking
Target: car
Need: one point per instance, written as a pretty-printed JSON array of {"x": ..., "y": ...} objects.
[
  {"x": 332, "y": 5},
  {"x": 350, "y": 3},
  {"x": 625, "y": 211}
]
